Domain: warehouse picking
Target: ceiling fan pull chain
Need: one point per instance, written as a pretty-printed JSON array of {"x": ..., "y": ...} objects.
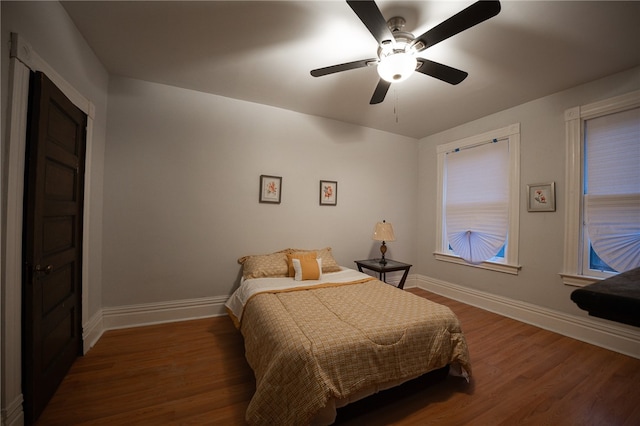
[{"x": 395, "y": 107}]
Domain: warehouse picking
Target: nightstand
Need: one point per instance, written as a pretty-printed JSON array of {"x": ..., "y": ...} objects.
[{"x": 390, "y": 266}]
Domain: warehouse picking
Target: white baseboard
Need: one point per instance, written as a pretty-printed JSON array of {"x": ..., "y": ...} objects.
[
  {"x": 622, "y": 339},
  {"x": 156, "y": 313},
  {"x": 92, "y": 331},
  {"x": 412, "y": 281},
  {"x": 13, "y": 415}
]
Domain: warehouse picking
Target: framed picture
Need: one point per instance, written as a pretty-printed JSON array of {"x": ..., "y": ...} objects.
[
  {"x": 328, "y": 193},
  {"x": 542, "y": 197},
  {"x": 270, "y": 189}
]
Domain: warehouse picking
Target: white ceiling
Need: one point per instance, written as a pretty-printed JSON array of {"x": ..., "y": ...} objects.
[{"x": 262, "y": 51}]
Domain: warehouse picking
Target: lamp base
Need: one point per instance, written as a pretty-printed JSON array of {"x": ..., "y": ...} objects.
[{"x": 383, "y": 250}]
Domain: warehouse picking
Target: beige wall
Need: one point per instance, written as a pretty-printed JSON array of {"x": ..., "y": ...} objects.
[
  {"x": 541, "y": 234},
  {"x": 181, "y": 190}
]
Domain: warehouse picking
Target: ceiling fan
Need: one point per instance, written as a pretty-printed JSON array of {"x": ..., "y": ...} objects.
[{"x": 398, "y": 50}]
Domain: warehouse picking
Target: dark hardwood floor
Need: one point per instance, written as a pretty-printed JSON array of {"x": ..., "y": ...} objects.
[{"x": 195, "y": 373}]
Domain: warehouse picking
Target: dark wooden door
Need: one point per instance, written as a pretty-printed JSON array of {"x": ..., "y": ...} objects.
[{"x": 52, "y": 244}]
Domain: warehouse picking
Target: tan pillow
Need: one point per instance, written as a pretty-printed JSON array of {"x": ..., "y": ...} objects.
[
  {"x": 307, "y": 268},
  {"x": 329, "y": 264},
  {"x": 299, "y": 255},
  {"x": 265, "y": 265}
]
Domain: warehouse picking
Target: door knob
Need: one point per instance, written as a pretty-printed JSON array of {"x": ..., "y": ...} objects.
[{"x": 46, "y": 269}]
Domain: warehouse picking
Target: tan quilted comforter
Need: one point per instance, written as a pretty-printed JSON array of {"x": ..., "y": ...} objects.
[{"x": 309, "y": 345}]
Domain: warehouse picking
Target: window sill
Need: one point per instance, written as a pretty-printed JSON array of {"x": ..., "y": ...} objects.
[
  {"x": 492, "y": 266},
  {"x": 576, "y": 280}
]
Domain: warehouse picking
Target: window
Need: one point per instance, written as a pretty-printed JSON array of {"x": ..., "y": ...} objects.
[
  {"x": 602, "y": 229},
  {"x": 478, "y": 194}
]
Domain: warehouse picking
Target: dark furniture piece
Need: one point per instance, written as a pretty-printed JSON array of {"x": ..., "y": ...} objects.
[
  {"x": 382, "y": 269},
  {"x": 616, "y": 298}
]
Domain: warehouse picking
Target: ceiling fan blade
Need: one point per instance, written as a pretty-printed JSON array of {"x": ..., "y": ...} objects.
[
  {"x": 372, "y": 18},
  {"x": 467, "y": 18},
  {"x": 441, "y": 72},
  {"x": 343, "y": 67},
  {"x": 381, "y": 91}
]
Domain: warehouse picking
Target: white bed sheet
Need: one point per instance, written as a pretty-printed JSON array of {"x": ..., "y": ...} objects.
[{"x": 253, "y": 286}]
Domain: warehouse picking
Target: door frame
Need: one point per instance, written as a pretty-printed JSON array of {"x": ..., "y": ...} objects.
[{"x": 23, "y": 60}]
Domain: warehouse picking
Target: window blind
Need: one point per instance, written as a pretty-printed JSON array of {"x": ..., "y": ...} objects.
[
  {"x": 476, "y": 204},
  {"x": 612, "y": 188}
]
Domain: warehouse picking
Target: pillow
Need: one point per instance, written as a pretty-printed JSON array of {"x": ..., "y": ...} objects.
[
  {"x": 299, "y": 255},
  {"x": 307, "y": 269},
  {"x": 329, "y": 264},
  {"x": 265, "y": 265}
]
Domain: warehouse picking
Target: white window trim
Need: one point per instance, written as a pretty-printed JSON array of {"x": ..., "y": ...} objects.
[
  {"x": 513, "y": 133},
  {"x": 574, "y": 124}
]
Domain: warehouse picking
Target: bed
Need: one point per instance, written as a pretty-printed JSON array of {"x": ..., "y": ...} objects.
[{"x": 339, "y": 335}]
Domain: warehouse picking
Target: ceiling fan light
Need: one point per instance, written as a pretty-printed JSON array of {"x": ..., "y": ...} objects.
[{"x": 397, "y": 67}]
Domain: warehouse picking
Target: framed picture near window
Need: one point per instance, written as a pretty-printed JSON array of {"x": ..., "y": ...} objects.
[
  {"x": 328, "y": 193},
  {"x": 270, "y": 189},
  {"x": 541, "y": 197}
]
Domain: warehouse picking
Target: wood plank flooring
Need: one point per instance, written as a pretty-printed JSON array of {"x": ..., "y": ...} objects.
[{"x": 195, "y": 373}]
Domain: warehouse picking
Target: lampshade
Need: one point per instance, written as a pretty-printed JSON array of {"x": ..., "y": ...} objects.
[
  {"x": 383, "y": 231},
  {"x": 397, "y": 67}
]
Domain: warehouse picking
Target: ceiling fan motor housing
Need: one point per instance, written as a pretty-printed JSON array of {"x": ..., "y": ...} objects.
[{"x": 397, "y": 58}]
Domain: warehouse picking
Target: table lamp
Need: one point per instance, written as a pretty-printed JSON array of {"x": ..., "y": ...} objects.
[{"x": 383, "y": 232}]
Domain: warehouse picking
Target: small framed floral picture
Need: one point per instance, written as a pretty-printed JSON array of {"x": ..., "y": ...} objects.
[
  {"x": 270, "y": 189},
  {"x": 328, "y": 193},
  {"x": 542, "y": 197}
]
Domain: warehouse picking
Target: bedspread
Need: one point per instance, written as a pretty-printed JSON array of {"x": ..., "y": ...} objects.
[{"x": 311, "y": 345}]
